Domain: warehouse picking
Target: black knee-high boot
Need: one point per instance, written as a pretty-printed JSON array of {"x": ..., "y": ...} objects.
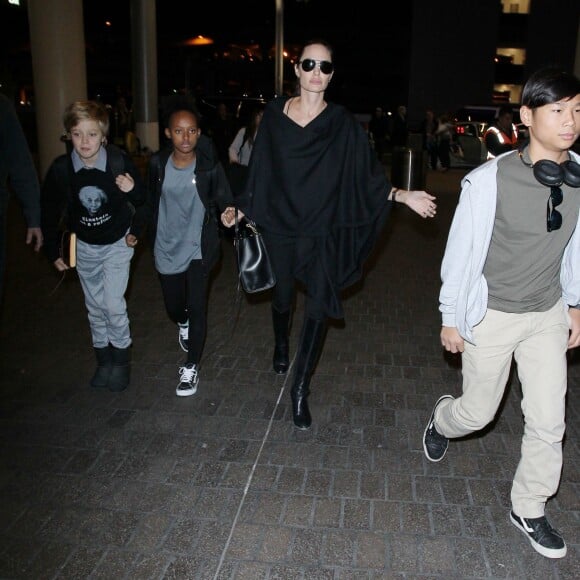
[
  {"x": 308, "y": 350},
  {"x": 281, "y": 321}
]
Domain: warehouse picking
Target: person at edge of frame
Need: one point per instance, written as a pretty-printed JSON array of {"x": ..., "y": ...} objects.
[{"x": 511, "y": 291}]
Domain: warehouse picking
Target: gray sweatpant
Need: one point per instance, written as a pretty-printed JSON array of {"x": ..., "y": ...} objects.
[{"x": 104, "y": 275}]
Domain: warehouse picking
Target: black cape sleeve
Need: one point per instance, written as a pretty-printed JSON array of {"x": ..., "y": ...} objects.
[{"x": 320, "y": 183}]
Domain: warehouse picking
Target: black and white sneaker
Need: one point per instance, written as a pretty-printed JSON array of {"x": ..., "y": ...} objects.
[
  {"x": 188, "y": 380},
  {"x": 543, "y": 537},
  {"x": 434, "y": 444},
  {"x": 183, "y": 336}
]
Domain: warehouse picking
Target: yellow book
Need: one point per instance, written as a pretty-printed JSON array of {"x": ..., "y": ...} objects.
[{"x": 72, "y": 252}]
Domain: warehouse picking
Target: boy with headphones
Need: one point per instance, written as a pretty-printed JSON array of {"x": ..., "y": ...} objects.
[{"x": 511, "y": 290}]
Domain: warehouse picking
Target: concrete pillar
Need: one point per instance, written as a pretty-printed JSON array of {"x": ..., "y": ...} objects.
[
  {"x": 57, "y": 41},
  {"x": 144, "y": 63}
]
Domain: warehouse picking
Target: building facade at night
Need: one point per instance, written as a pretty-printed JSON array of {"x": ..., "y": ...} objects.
[
  {"x": 482, "y": 51},
  {"x": 442, "y": 55}
]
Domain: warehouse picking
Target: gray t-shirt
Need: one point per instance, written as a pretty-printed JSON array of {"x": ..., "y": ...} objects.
[
  {"x": 181, "y": 215},
  {"x": 523, "y": 264}
]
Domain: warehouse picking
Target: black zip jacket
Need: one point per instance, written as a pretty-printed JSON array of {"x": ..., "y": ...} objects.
[{"x": 213, "y": 189}]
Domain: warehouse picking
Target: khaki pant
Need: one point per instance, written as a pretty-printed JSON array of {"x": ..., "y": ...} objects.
[{"x": 538, "y": 341}]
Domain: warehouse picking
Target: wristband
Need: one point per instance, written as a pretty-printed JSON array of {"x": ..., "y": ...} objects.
[
  {"x": 394, "y": 194},
  {"x": 577, "y": 307}
]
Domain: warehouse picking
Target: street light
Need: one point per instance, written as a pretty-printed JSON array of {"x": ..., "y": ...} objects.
[
  {"x": 199, "y": 41},
  {"x": 279, "y": 62}
]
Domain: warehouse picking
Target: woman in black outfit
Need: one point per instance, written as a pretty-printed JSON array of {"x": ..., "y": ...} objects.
[{"x": 321, "y": 198}]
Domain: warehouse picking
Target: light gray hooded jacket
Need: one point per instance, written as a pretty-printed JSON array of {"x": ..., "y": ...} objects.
[{"x": 463, "y": 295}]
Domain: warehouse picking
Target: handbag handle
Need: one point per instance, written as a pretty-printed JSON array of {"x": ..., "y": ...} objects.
[{"x": 251, "y": 225}]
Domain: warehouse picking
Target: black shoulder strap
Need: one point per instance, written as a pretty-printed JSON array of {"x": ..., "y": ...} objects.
[
  {"x": 115, "y": 159},
  {"x": 64, "y": 173},
  {"x": 62, "y": 170}
]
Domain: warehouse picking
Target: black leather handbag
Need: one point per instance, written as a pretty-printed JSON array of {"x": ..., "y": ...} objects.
[{"x": 254, "y": 267}]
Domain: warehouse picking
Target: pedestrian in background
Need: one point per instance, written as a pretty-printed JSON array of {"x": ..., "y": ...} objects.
[
  {"x": 444, "y": 134},
  {"x": 102, "y": 225},
  {"x": 319, "y": 194},
  {"x": 502, "y": 136},
  {"x": 222, "y": 131},
  {"x": 511, "y": 290},
  {"x": 400, "y": 130},
  {"x": 429, "y": 134},
  {"x": 240, "y": 151},
  {"x": 379, "y": 132},
  {"x": 241, "y": 147},
  {"x": 18, "y": 176}
]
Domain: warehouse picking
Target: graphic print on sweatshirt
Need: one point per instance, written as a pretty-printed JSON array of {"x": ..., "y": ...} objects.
[
  {"x": 100, "y": 213},
  {"x": 93, "y": 199}
]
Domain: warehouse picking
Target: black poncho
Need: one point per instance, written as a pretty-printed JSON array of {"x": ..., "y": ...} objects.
[{"x": 320, "y": 182}]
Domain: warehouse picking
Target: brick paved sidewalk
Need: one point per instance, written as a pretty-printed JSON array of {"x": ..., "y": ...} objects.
[{"x": 146, "y": 485}]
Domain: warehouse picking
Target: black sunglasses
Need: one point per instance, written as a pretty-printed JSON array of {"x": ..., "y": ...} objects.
[
  {"x": 308, "y": 65},
  {"x": 554, "y": 217},
  {"x": 551, "y": 175}
]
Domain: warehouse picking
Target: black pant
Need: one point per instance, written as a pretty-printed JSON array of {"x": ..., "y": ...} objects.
[
  {"x": 282, "y": 251},
  {"x": 433, "y": 154},
  {"x": 185, "y": 297},
  {"x": 444, "y": 153}
]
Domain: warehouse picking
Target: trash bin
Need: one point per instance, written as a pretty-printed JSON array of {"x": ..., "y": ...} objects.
[{"x": 409, "y": 168}]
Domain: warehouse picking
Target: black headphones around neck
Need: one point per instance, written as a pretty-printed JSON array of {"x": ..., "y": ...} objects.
[{"x": 550, "y": 173}]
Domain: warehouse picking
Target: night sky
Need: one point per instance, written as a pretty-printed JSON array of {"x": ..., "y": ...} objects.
[{"x": 370, "y": 50}]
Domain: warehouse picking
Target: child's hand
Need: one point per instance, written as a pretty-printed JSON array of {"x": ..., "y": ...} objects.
[
  {"x": 60, "y": 265},
  {"x": 125, "y": 182},
  {"x": 451, "y": 339},
  {"x": 131, "y": 240},
  {"x": 574, "y": 339}
]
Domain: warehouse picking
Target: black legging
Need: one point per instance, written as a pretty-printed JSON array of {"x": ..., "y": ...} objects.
[
  {"x": 185, "y": 296},
  {"x": 282, "y": 252},
  {"x": 444, "y": 149}
]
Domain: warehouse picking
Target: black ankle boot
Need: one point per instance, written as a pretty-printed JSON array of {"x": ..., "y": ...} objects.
[
  {"x": 104, "y": 357},
  {"x": 310, "y": 346},
  {"x": 281, "y": 321},
  {"x": 120, "y": 371}
]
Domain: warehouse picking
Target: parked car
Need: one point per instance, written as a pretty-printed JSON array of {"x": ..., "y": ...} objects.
[
  {"x": 471, "y": 128},
  {"x": 468, "y": 148},
  {"x": 484, "y": 113}
]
